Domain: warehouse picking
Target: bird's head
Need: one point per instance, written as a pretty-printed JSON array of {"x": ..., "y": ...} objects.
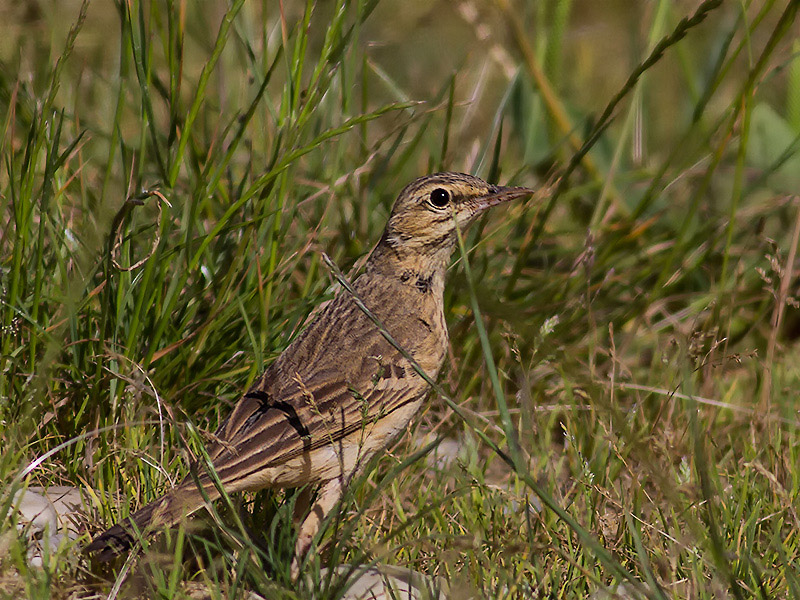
[{"x": 426, "y": 213}]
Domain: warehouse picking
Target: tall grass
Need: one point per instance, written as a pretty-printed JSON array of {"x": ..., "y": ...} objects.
[{"x": 621, "y": 380}]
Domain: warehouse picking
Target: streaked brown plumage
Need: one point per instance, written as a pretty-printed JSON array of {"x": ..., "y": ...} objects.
[{"x": 340, "y": 392}]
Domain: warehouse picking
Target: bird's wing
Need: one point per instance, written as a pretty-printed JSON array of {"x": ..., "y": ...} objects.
[
  {"x": 338, "y": 377},
  {"x": 264, "y": 431}
]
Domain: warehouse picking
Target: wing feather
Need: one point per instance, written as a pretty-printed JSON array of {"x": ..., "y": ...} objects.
[{"x": 314, "y": 395}]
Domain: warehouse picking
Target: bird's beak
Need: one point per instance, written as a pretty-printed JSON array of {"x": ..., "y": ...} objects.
[{"x": 497, "y": 195}]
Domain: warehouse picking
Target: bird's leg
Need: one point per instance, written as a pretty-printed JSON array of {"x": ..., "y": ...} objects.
[
  {"x": 328, "y": 496},
  {"x": 301, "y": 504}
]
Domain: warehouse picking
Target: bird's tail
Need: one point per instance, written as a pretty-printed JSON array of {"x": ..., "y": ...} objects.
[{"x": 164, "y": 512}]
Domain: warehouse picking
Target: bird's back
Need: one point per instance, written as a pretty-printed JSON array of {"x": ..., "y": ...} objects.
[{"x": 333, "y": 384}]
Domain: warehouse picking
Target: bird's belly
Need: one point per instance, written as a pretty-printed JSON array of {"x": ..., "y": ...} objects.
[{"x": 341, "y": 458}]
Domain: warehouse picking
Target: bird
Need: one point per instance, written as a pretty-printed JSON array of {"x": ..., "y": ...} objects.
[{"x": 340, "y": 392}]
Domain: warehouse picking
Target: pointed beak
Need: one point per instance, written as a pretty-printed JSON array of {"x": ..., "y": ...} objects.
[{"x": 497, "y": 195}]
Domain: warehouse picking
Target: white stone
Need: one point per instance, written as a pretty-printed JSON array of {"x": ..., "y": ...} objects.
[{"x": 387, "y": 582}]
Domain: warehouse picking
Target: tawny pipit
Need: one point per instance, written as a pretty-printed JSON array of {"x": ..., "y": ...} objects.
[{"x": 340, "y": 392}]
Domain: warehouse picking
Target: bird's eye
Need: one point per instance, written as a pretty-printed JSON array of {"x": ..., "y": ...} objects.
[{"x": 440, "y": 198}]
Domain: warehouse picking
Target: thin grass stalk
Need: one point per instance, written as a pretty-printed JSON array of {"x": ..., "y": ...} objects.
[
  {"x": 281, "y": 166},
  {"x": 780, "y": 30},
  {"x": 668, "y": 267},
  {"x": 711, "y": 517},
  {"x": 747, "y": 101},
  {"x": 269, "y": 177},
  {"x": 712, "y": 82},
  {"x": 200, "y": 92},
  {"x": 514, "y": 450},
  {"x": 124, "y": 65},
  {"x": 44, "y": 204},
  {"x": 282, "y": 181},
  {"x": 726, "y": 66},
  {"x": 448, "y": 117},
  {"x": 22, "y": 203},
  {"x": 656, "y": 32},
  {"x": 325, "y": 62},
  {"x": 793, "y": 88},
  {"x": 141, "y": 51},
  {"x": 554, "y": 106},
  {"x": 554, "y": 52},
  {"x": 586, "y": 538},
  {"x": 208, "y": 467},
  {"x": 778, "y": 314},
  {"x": 348, "y": 524},
  {"x": 603, "y": 122},
  {"x": 176, "y": 22},
  {"x": 52, "y": 163},
  {"x": 296, "y": 68},
  {"x": 243, "y": 123},
  {"x": 644, "y": 561}
]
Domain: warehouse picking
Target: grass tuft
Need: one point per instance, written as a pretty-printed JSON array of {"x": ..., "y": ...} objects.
[{"x": 179, "y": 181}]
